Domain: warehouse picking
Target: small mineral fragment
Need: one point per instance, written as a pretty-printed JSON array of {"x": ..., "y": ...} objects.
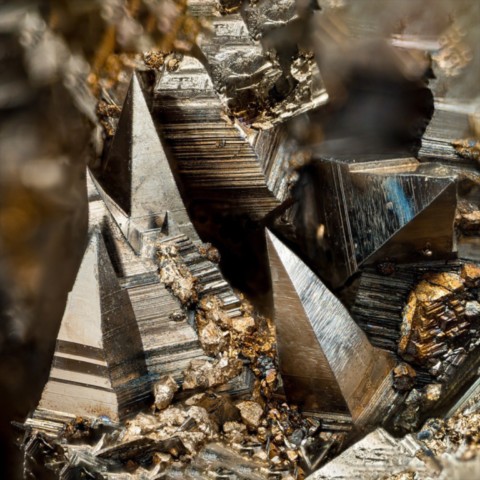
[
  {"x": 207, "y": 374},
  {"x": 235, "y": 432},
  {"x": 468, "y": 219},
  {"x": 251, "y": 413},
  {"x": 210, "y": 309},
  {"x": 161, "y": 458},
  {"x": 164, "y": 390},
  {"x": 262, "y": 456},
  {"x": 403, "y": 377},
  {"x": 467, "y": 148},
  {"x": 78, "y": 428},
  {"x": 243, "y": 325},
  {"x": 472, "y": 310},
  {"x": 229, "y": 427},
  {"x": 195, "y": 399},
  {"x": 154, "y": 58},
  {"x": 213, "y": 324},
  {"x": 409, "y": 418},
  {"x": 471, "y": 275},
  {"x": 175, "y": 275},
  {"x": 209, "y": 252},
  {"x": 212, "y": 338},
  {"x": 220, "y": 408},
  {"x": 141, "y": 424},
  {"x": 433, "y": 392},
  {"x": 292, "y": 455}
]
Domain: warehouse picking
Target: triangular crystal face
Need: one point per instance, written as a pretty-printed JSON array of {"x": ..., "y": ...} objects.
[
  {"x": 98, "y": 367},
  {"x": 222, "y": 163},
  {"x": 427, "y": 236},
  {"x": 326, "y": 361},
  {"x": 392, "y": 203},
  {"x": 137, "y": 175}
]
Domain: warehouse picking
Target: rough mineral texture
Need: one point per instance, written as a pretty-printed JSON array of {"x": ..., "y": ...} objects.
[
  {"x": 163, "y": 391},
  {"x": 438, "y": 321},
  {"x": 239, "y": 239}
]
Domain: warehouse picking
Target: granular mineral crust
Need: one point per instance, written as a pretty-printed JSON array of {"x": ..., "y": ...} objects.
[{"x": 440, "y": 322}]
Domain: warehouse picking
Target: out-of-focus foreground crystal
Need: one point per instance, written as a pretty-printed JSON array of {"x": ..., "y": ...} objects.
[{"x": 280, "y": 275}]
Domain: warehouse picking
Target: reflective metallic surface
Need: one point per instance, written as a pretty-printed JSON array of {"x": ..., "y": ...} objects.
[
  {"x": 336, "y": 371},
  {"x": 98, "y": 367},
  {"x": 280, "y": 274}
]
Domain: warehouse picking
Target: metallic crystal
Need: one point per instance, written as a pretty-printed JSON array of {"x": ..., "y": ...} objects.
[
  {"x": 221, "y": 118},
  {"x": 386, "y": 210},
  {"x": 218, "y": 159},
  {"x": 337, "y": 371},
  {"x": 244, "y": 57},
  {"x": 92, "y": 373},
  {"x": 372, "y": 457},
  {"x": 141, "y": 191},
  {"x": 437, "y": 330}
]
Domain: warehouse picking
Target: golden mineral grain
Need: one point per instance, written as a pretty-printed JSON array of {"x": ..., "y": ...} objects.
[
  {"x": 243, "y": 325},
  {"x": 207, "y": 374},
  {"x": 403, "y": 377},
  {"x": 212, "y": 338},
  {"x": 470, "y": 274},
  {"x": 251, "y": 413},
  {"x": 164, "y": 390},
  {"x": 432, "y": 317},
  {"x": 175, "y": 275}
]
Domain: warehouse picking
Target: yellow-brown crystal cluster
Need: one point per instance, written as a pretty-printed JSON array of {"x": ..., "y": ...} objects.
[{"x": 438, "y": 314}]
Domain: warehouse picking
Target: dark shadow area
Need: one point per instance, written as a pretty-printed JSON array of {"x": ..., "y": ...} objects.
[{"x": 241, "y": 243}]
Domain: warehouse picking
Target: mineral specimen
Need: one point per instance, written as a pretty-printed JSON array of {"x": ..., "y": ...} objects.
[
  {"x": 435, "y": 452},
  {"x": 259, "y": 80},
  {"x": 204, "y": 140},
  {"x": 209, "y": 374},
  {"x": 403, "y": 377},
  {"x": 372, "y": 457},
  {"x": 158, "y": 313},
  {"x": 139, "y": 179},
  {"x": 437, "y": 330},
  {"x": 251, "y": 413},
  {"x": 336, "y": 179}
]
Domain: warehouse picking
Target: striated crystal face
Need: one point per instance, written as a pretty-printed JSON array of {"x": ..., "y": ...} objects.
[{"x": 279, "y": 275}]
